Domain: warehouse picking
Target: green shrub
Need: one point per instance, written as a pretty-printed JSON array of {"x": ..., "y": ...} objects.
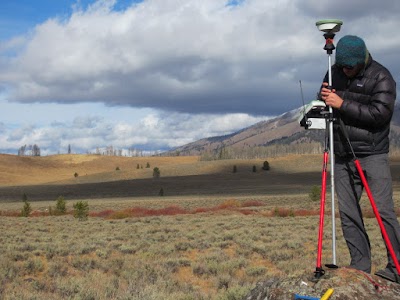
[
  {"x": 76, "y": 174},
  {"x": 61, "y": 206},
  {"x": 33, "y": 265},
  {"x": 315, "y": 193},
  {"x": 81, "y": 210},
  {"x": 265, "y": 165},
  {"x": 26, "y": 209},
  {"x": 234, "y": 293},
  {"x": 256, "y": 271},
  {"x": 156, "y": 172},
  {"x": 254, "y": 169}
]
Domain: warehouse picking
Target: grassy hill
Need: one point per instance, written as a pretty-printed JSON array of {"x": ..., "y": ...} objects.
[
  {"x": 17, "y": 170},
  {"x": 46, "y": 178},
  {"x": 60, "y": 169}
]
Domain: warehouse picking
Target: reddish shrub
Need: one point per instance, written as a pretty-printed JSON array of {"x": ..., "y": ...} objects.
[
  {"x": 138, "y": 211},
  {"x": 206, "y": 209},
  {"x": 147, "y": 212},
  {"x": 250, "y": 203},
  {"x": 6, "y": 213},
  {"x": 102, "y": 214},
  {"x": 201, "y": 210},
  {"x": 231, "y": 204},
  {"x": 246, "y": 211},
  {"x": 170, "y": 211}
]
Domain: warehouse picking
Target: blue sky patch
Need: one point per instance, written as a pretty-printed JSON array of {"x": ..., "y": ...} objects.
[{"x": 234, "y": 2}]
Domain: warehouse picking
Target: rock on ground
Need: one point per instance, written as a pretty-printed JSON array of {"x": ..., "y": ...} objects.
[{"x": 348, "y": 284}]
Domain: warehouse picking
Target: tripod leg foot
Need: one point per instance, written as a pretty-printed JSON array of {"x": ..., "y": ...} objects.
[
  {"x": 319, "y": 272},
  {"x": 331, "y": 266}
]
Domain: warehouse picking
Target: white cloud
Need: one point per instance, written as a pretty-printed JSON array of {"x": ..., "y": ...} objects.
[
  {"x": 153, "y": 132},
  {"x": 189, "y": 56}
]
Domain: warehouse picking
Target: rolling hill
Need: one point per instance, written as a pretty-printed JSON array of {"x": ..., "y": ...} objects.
[
  {"x": 47, "y": 178},
  {"x": 284, "y": 129}
]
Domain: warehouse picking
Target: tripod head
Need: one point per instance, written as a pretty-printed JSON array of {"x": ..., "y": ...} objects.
[{"x": 330, "y": 27}]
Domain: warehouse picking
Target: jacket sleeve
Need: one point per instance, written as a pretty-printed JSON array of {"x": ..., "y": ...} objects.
[
  {"x": 379, "y": 110},
  {"x": 326, "y": 79}
]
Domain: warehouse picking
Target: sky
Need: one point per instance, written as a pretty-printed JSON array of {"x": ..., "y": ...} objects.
[{"x": 157, "y": 74}]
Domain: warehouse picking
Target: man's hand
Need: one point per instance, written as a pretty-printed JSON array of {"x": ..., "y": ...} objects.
[{"x": 330, "y": 97}]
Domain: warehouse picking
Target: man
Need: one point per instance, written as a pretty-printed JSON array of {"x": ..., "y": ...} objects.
[{"x": 362, "y": 97}]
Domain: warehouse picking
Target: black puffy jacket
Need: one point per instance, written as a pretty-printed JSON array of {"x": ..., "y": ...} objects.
[{"x": 366, "y": 111}]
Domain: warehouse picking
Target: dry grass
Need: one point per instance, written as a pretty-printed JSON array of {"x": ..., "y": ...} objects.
[{"x": 217, "y": 254}]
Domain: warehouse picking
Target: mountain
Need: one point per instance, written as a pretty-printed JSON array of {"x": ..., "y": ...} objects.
[{"x": 281, "y": 130}]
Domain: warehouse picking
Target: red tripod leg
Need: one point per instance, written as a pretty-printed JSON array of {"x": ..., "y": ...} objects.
[
  {"x": 319, "y": 271},
  {"x": 377, "y": 215}
]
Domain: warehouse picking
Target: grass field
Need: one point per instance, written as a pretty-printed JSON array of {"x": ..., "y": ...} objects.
[
  {"x": 219, "y": 254},
  {"x": 204, "y": 245}
]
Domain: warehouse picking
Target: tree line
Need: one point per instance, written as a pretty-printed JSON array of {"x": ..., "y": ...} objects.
[
  {"x": 260, "y": 152},
  {"x": 29, "y": 150},
  {"x": 34, "y": 150}
]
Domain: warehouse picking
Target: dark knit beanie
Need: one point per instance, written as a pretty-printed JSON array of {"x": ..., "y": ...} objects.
[{"x": 350, "y": 51}]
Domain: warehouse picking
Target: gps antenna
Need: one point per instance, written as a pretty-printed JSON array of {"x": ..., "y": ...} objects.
[{"x": 302, "y": 99}]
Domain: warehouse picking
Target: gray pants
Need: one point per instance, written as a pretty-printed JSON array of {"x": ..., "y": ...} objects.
[{"x": 349, "y": 189}]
